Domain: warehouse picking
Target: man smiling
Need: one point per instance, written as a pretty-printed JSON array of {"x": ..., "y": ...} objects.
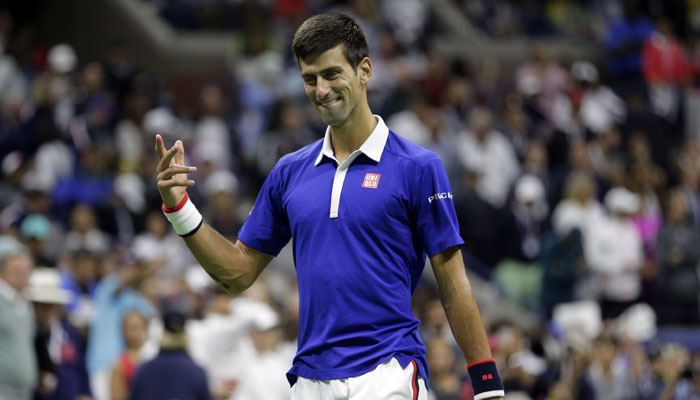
[{"x": 364, "y": 207}]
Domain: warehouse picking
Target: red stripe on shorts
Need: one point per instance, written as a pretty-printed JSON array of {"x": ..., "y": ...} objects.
[{"x": 414, "y": 380}]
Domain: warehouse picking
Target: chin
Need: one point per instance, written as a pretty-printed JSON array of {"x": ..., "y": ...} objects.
[{"x": 333, "y": 120}]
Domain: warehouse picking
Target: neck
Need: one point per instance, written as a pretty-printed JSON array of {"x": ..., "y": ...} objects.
[{"x": 349, "y": 136}]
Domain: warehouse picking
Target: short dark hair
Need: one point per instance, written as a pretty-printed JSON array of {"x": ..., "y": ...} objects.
[{"x": 325, "y": 31}]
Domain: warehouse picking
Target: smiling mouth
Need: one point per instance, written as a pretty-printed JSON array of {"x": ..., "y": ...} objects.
[{"x": 328, "y": 103}]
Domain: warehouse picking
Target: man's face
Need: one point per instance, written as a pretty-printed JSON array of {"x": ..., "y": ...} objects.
[
  {"x": 46, "y": 313},
  {"x": 16, "y": 271},
  {"x": 333, "y": 86}
]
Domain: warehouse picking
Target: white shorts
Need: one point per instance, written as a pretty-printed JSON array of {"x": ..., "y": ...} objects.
[{"x": 388, "y": 381}]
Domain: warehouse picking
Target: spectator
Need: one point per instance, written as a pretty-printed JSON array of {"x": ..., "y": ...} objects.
[
  {"x": 579, "y": 205},
  {"x": 679, "y": 254},
  {"x": 563, "y": 263},
  {"x": 94, "y": 107},
  {"x": 129, "y": 133},
  {"x": 18, "y": 366},
  {"x": 623, "y": 44},
  {"x": 266, "y": 363},
  {"x": 690, "y": 186},
  {"x": 116, "y": 294},
  {"x": 40, "y": 236},
  {"x": 666, "y": 69},
  {"x": 666, "y": 364},
  {"x": 646, "y": 179},
  {"x": 615, "y": 254},
  {"x": 134, "y": 331},
  {"x": 84, "y": 233},
  {"x": 288, "y": 132},
  {"x": 215, "y": 340},
  {"x": 603, "y": 151},
  {"x": 221, "y": 190},
  {"x": 444, "y": 383},
  {"x": 59, "y": 347},
  {"x": 609, "y": 371},
  {"x": 160, "y": 246},
  {"x": 487, "y": 152},
  {"x": 172, "y": 373},
  {"x": 80, "y": 272},
  {"x": 547, "y": 75},
  {"x": 521, "y": 228},
  {"x": 601, "y": 108},
  {"x": 212, "y": 147}
]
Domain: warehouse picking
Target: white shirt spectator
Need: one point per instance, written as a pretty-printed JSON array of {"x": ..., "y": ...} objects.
[
  {"x": 495, "y": 161},
  {"x": 614, "y": 248}
]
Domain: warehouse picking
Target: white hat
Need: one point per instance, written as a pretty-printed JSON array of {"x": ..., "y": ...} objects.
[
  {"x": 62, "y": 58},
  {"x": 621, "y": 200},
  {"x": 584, "y": 71},
  {"x": 45, "y": 287},
  {"x": 529, "y": 188}
]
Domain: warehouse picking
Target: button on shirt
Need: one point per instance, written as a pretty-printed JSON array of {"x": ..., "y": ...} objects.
[{"x": 362, "y": 230}]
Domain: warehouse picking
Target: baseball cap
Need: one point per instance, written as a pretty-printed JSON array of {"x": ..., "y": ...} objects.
[
  {"x": 174, "y": 314},
  {"x": 35, "y": 226}
]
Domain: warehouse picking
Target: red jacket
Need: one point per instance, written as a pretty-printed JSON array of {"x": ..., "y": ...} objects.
[{"x": 664, "y": 61}]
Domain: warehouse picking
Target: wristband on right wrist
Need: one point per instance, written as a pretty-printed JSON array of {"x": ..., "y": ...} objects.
[
  {"x": 184, "y": 217},
  {"x": 486, "y": 382}
]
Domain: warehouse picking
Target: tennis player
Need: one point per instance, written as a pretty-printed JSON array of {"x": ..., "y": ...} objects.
[{"x": 364, "y": 207}]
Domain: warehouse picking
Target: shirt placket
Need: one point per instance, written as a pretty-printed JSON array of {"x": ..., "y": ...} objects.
[{"x": 338, "y": 180}]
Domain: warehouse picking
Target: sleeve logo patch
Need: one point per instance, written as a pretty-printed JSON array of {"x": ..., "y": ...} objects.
[
  {"x": 440, "y": 196},
  {"x": 371, "y": 181}
]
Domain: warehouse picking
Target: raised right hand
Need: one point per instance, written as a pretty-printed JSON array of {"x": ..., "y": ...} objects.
[{"x": 172, "y": 172}]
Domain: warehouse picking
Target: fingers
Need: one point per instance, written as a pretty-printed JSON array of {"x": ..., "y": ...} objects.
[
  {"x": 175, "y": 170},
  {"x": 160, "y": 146},
  {"x": 172, "y": 183},
  {"x": 180, "y": 154},
  {"x": 166, "y": 159}
]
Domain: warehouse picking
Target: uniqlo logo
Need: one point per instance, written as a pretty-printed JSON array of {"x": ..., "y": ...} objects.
[{"x": 371, "y": 181}]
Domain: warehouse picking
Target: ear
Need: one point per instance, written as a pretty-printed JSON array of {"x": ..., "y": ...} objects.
[{"x": 364, "y": 70}]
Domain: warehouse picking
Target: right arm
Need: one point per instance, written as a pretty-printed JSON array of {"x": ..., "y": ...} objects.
[{"x": 234, "y": 265}]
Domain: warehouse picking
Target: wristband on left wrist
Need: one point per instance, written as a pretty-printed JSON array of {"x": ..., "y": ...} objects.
[{"x": 485, "y": 380}]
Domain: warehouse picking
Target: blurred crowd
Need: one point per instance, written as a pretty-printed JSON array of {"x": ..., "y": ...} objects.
[{"x": 576, "y": 183}]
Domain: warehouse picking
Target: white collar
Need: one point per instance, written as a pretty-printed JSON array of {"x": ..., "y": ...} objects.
[{"x": 372, "y": 147}]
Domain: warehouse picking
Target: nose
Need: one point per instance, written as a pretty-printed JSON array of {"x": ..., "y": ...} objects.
[{"x": 323, "y": 88}]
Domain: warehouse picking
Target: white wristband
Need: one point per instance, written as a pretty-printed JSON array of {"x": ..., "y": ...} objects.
[{"x": 185, "y": 218}]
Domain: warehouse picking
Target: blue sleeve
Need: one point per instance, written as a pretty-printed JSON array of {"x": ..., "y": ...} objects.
[
  {"x": 267, "y": 227},
  {"x": 436, "y": 219}
]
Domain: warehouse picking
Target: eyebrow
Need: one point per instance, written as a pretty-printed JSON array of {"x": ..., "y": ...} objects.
[{"x": 321, "y": 72}]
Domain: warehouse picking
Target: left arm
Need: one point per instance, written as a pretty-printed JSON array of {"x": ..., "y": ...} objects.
[{"x": 460, "y": 306}]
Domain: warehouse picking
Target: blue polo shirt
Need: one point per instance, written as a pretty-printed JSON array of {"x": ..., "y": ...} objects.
[{"x": 362, "y": 230}]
